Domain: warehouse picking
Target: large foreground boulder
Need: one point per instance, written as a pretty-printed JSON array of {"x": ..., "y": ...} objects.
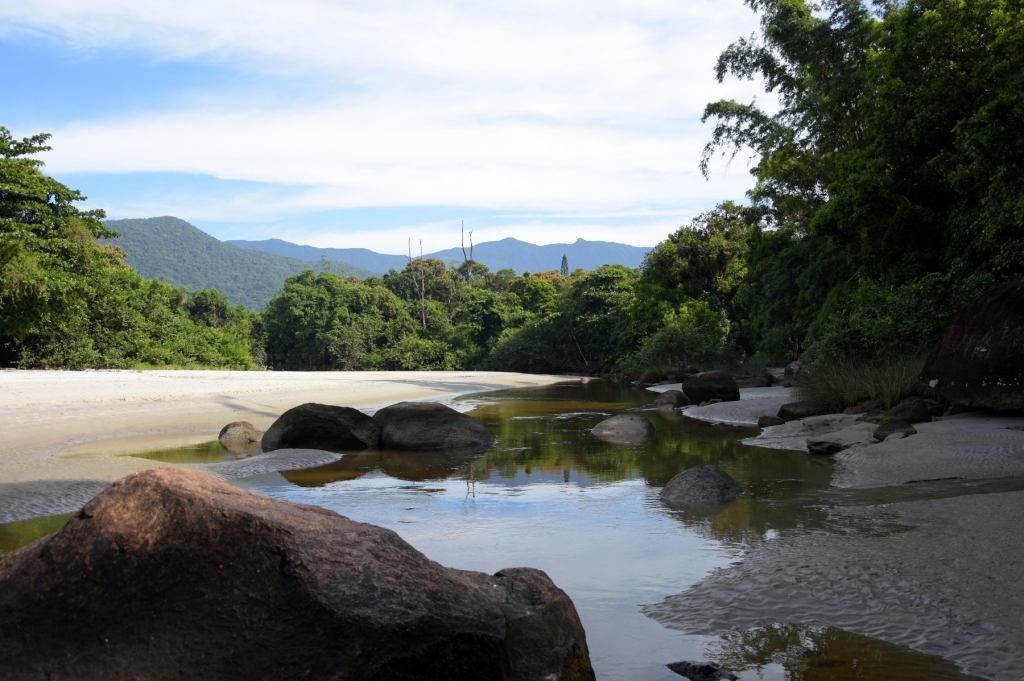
[
  {"x": 172, "y": 574},
  {"x": 979, "y": 359},
  {"x": 322, "y": 426},
  {"x": 711, "y": 385},
  {"x": 429, "y": 425},
  {"x": 701, "y": 487}
]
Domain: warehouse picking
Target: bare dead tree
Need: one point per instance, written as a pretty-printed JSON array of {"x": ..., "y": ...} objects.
[
  {"x": 469, "y": 260},
  {"x": 423, "y": 281}
]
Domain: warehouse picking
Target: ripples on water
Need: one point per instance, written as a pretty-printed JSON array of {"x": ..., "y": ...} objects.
[{"x": 551, "y": 495}]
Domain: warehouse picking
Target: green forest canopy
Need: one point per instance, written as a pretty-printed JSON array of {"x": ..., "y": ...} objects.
[{"x": 888, "y": 190}]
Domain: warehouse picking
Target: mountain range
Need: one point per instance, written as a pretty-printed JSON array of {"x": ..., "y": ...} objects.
[
  {"x": 252, "y": 272},
  {"x": 171, "y": 249},
  {"x": 507, "y": 253}
]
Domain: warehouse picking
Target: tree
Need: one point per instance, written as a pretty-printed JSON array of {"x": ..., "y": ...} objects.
[{"x": 564, "y": 271}]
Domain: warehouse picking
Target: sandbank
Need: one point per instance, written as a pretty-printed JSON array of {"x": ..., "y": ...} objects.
[{"x": 69, "y": 433}]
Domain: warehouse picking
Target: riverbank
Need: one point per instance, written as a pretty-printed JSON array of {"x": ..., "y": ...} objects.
[
  {"x": 938, "y": 575},
  {"x": 67, "y": 434}
]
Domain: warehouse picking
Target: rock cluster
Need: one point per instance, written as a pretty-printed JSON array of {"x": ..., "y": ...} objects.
[
  {"x": 174, "y": 574},
  {"x": 979, "y": 359}
]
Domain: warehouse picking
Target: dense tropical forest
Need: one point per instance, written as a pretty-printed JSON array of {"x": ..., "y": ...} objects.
[{"x": 889, "y": 189}]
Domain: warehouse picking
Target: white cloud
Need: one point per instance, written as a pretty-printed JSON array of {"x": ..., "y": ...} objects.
[{"x": 561, "y": 105}]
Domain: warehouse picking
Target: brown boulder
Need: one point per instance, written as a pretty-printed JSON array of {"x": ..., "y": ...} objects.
[
  {"x": 979, "y": 359},
  {"x": 429, "y": 425},
  {"x": 322, "y": 426},
  {"x": 711, "y": 385},
  {"x": 241, "y": 438},
  {"x": 174, "y": 574}
]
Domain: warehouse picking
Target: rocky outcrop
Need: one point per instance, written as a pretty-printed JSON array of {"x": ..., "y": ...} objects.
[
  {"x": 241, "y": 438},
  {"x": 893, "y": 428},
  {"x": 322, "y": 426},
  {"x": 174, "y": 574},
  {"x": 702, "y": 671},
  {"x": 801, "y": 410},
  {"x": 979, "y": 359},
  {"x": 680, "y": 370},
  {"x": 429, "y": 425},
  {"x": 671, "y": 399},
  {"x": 711, "y": 385},
  {"x": 793, "y": 369},
  {"x": 701, "y": 487},
  {"x": 826, "y": 447},
  {"x": 769, "y": 421},
  {"x": 910, "y": 410},
  {"x": 624, "y": 429}
]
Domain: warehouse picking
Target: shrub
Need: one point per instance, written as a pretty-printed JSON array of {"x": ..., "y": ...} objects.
[{"x": 840, "y": 383}]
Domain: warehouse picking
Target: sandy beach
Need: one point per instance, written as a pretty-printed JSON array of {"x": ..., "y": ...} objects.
[
  {"x": 936, "y": 573},
  {"x": 68, "y": 434}
]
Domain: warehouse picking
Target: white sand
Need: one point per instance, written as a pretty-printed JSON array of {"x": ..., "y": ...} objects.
[{"x": 78, "y": 426}]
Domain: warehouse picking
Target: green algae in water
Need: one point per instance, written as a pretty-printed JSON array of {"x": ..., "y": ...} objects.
[
  {"x": 206, "y": 452},
  {"x": 23, "y": 532}
]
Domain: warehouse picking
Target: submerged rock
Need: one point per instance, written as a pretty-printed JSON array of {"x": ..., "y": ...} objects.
[
  {"x": 241, "y": 438},
  {"x": 979, "y": 359},
  {"x": 826, "y": 447},
  {"x": 429, "y": 425},
  {"x": 769, "y": 421},
  {"x": 671, "y": 399},
  {"x": 174, "y": 574},
  {"x": 701, "y": 487},
  {"x": 793, "y": 369},
  {"x": 624, "y": 429},
  {"x": 702, "y": 671},
  {"x": 322, "y": 426},
  {"x": 893, "y": 428},
  {"x": 711, "y": 385},
  {"x": 801, "y": 410}
]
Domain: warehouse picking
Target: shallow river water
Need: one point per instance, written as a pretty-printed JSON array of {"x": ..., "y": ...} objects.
[{"x": 553, "y": 496}]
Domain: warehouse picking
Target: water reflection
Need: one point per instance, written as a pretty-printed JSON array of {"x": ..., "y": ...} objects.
[
  {"x": 803, "y": 653},
  {"x": 206, "y": 452},
  {"x": 22, "y": 532}
]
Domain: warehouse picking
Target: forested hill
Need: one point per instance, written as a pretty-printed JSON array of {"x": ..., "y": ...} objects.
[
  {"x": 508, "y": 253},
  {"x": 174, "y": 251}
]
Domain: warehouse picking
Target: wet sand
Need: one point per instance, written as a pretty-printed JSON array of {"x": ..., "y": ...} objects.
[
  {"x": 67, "y": 434},
  {"x": 938, "y": 575}
]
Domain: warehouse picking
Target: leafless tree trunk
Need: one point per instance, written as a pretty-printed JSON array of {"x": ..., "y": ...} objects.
[
  {"x": 469, "y": 260},
  {"x": 423, "y": 282}
]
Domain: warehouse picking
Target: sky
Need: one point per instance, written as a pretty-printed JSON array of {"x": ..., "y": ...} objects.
[{"x": 363, "y": 124}]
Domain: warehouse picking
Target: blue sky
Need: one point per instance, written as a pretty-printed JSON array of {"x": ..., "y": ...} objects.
[{"x": 360, "y": 124}]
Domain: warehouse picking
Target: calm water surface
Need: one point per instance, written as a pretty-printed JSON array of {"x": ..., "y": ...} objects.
[{"x": 551, "y": 495}]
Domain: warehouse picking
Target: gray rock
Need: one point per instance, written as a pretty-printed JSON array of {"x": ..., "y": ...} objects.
[
  {"x": 865, "y": 407},
  {"x": 911, "y": 410},
  {"x": 769, "y": 421},
  {"x": 801, "y": 410},
  {"x": 753, "y": 382},
  {"x": 174, "y": 574},
  {"x": 702, "y": 671},
  {"x": 793, "y": 369},
  {"x": 671, "y": 399},
  {"x": 701, "y": 487},
  {"x": 711, "y": 385},
  {"x": 979, "y": 359},
  {"x": 680, "y": 370},
  {"x": 429, "y": 425},
  {"x": 322, "y": 426},
  {"x": 241, "y": 438},
  {"x": 624, "y": 429},
  {"x": 825, "y": 447},
  {"x": 893, "y": 428}
]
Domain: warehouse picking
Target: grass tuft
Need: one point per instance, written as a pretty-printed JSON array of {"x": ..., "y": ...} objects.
[{"x": 838, "y": 384}]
